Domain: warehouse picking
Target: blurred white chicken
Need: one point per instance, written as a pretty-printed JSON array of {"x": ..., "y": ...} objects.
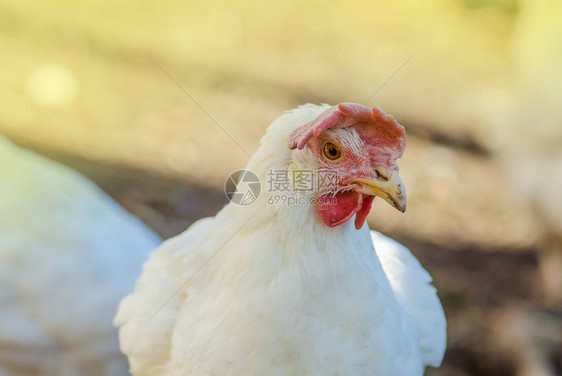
[
  {"x": 275, "y": 289},
  {"x": 68, "y": 253}
]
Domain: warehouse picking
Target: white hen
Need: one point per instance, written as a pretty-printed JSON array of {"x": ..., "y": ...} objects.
[
  {"x": 68, "y": 253},
  {"x": 278, "y": 289}
]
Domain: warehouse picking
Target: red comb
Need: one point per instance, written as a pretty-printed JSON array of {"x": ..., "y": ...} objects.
[{"x": 345, "y": 115}]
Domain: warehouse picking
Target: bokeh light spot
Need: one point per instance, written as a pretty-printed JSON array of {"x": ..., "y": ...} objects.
[{"x": 52, "y": 86}]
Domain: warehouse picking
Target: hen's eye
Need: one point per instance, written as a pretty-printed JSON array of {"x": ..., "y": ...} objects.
[{"x": 331, "y": 151}]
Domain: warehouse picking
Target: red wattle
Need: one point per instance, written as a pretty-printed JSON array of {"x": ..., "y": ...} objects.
[
  {"x": 361, "y": 215},
  {"x": 336, "y": 209}
]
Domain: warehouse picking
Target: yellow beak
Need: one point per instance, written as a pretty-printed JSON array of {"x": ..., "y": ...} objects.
[{"x": 391, "y": 190}]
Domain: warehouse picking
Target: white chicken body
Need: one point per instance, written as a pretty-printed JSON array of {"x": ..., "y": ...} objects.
[
  {"x": 272, "y": 291},
  {"x": 68, "y": 253}
]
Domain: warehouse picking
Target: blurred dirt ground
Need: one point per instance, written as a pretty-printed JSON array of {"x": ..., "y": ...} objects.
[{"x": 81, "y": 84}]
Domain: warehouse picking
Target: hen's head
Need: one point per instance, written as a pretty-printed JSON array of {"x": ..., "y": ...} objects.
[{"x": 358, "y": 146}]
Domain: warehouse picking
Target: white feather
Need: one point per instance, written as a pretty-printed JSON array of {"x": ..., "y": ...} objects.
[{"x": 412, "y": 285}]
